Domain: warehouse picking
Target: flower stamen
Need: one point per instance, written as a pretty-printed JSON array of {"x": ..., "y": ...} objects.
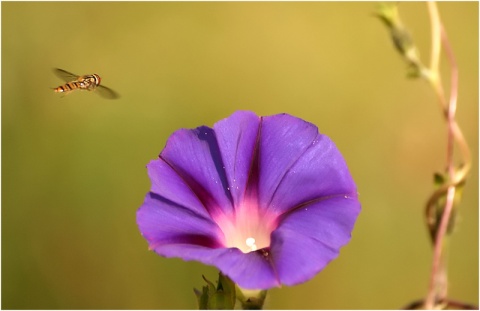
[{"x": 251, "y": 244}]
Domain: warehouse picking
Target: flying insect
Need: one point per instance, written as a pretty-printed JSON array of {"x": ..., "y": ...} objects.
[{"x": 85, "y": 82}]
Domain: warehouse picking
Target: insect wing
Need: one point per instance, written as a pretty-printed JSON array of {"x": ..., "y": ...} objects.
[
  {"x": 106, "y": 92},
  {"x": 65, "y": 75}
]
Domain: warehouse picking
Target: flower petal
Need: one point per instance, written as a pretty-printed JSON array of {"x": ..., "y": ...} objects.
[
  {"x": 308, "y": 238},
  {"x": 167, "y": 183},
  {"x": 163, "y": 222},
  {"x": 236, "y": 138},
  {"x": 195, "y": 156},
  {"x": 319, "y": 172},
  {"x": 252, "y": 270},
  {"x": 299, "y": 258},
  {"x": 283, "y": 140}
]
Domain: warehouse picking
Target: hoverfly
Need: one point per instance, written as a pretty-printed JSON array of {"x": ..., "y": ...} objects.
[{"x": 86, "y": 82}]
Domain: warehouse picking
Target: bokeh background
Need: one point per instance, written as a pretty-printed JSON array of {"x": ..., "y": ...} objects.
[{"x": 73, "y": 167}]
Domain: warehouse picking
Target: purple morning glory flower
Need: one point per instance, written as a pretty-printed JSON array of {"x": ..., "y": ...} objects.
[{"x": 267, "y": 200}]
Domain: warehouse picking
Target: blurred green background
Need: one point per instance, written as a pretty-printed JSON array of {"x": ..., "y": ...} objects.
[{"x": 73, "y": 168}]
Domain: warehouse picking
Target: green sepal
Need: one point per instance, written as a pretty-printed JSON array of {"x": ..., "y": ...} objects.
[
  {"x": 251, "y": 299},
  {"x": 221, "y": 297},
  {"x": 202, "y": 297}
]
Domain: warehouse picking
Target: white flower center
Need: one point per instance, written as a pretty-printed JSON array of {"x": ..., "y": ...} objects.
[
  {"x": 251, "y": 244},
  {"x": 249, "y": 230}
]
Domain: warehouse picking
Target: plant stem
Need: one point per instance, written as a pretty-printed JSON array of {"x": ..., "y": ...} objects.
[{"x": 438, "y": 280}]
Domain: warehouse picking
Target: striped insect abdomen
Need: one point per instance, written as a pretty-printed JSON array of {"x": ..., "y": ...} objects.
[{"x": 70, "y": 86}]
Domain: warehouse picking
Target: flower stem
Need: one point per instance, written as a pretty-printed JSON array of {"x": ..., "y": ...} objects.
[
  {"x": 438, "y": 279},
  {"x": 441, "y": 206}
]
